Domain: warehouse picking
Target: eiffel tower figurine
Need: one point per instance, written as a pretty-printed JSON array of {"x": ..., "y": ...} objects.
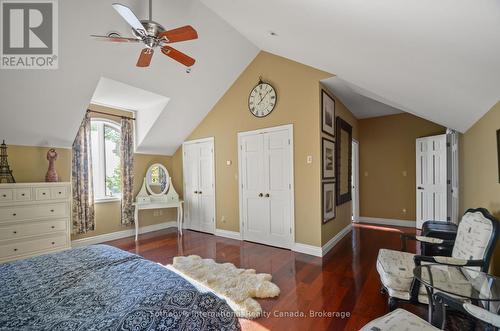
[{"x": 5, "y": 172}]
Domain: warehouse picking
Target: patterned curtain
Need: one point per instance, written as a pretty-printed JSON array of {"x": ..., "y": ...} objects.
[
  {"x": 127, "y": 170},
  {"x": 83, "y": 189}
]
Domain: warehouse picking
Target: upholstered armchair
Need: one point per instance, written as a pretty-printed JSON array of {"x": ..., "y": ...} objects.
[
  {"x": 473, "y": 247},
  {"x": 401, "y": 319}
]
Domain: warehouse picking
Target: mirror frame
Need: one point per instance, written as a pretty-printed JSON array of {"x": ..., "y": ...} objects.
[
  {"x": 342, "y": 125},
  {"x": 150, "y": 191}
]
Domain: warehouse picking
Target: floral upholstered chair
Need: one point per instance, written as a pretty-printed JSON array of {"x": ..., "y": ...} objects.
[
  {"x": 473, "y": 247},
  {"x": 401, "y": 319}
]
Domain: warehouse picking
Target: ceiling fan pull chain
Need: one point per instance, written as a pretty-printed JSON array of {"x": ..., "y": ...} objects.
[{"x": 150, "y": 10}]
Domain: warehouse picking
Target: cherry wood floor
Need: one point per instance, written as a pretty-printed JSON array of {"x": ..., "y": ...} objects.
[{"x": 344, "y": 281}]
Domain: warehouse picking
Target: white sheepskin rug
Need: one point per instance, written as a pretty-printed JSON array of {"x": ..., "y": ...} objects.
[{"x": 236, "y": 286}]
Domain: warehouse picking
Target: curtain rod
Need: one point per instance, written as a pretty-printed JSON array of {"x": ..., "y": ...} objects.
[{"x": 108, "y": 114}]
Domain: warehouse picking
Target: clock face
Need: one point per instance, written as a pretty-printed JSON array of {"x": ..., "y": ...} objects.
[{"x": 262, "y": 100}]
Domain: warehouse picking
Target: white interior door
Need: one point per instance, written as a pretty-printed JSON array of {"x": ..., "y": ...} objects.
[
  {"x": 431, "y": 155},
  {"x": 355, "y": 181},
  {"x": 199, "y": 185},
  {"x": 266, "y": 186}
]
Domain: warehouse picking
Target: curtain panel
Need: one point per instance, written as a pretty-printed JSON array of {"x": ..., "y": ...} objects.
[
  {"x": 81, "y": 171},
  {"x": 127, "y": 170}
]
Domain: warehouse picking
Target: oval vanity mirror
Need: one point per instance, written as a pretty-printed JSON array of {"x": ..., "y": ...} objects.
[{"x": 157, "y": 180}]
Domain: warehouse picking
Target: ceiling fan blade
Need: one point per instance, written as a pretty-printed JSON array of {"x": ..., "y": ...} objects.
[
  {"x": 116, "y": 39},
  {"x": 178, "y": 56},
  {"x": 129, "y": 16},
  {"x": 145, "y": 57},
  {"x": 180, "y": 34}
]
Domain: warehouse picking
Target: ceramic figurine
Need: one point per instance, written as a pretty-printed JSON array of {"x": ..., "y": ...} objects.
[{"x": 51, "y": 175}]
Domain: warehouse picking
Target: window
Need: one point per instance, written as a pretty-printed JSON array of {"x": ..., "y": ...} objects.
[{"x": 105, "y": 142}]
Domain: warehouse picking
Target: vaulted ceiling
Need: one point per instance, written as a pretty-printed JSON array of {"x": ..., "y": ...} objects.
[
  {"x": 436, "y": 59},
  {"x": 45, "y": 107}
]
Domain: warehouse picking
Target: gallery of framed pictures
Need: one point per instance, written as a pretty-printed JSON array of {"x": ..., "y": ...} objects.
[{"x": 328, "y": 189}]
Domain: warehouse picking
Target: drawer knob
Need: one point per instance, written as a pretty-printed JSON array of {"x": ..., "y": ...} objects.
[
  {"x": 60, "y": 192},
  {"x": 53, "y": 243},
  {"x": 14, "y": 232},
  {"x": 22, "y": 194},
  {"x": 52, "y": 227},
  {"x": 43, "y": 193},
  {"x": 4, "y": 195},
  {"x": 52, "y": 210},
  {"x": 15, "y": 249},
  {"x": 14, "y": 214}
]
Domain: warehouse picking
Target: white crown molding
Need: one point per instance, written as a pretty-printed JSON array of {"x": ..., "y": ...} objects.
[
  {"x": 121, "y": 234},
  {"x": 228, "y": 234},
  {"x": 387, "y": 221}
]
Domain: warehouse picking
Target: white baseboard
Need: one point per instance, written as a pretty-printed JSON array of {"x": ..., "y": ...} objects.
[
  {"x": 308, "y": 249},
  {"x": 121, "y": 234},
  {"x": 321, "y": 251},
  {"x": 387, "y": 221},
  {"x": 228, "y": 234},
  {"x": 335, "y": 240}
]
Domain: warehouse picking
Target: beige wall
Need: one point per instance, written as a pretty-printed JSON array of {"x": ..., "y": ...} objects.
[
  {"x": 479, "y": 186},
  {"x": 344, "y": 211},
  {"x": 30, "y": 165},
  {"x": 386, "y": 154},
  {"x": 107, "y": 215},
  {"x": 297, "y": 87}
]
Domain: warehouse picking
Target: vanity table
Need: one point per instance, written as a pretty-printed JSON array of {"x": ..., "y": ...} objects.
[
  {"x": 157, "y": 192},
  {"x": 158, "y": 205}
]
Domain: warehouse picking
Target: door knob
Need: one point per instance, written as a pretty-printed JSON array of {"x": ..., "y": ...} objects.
[
  {"x": 261, "y": 195},
  {"x": 195, "y": 192},
  {"x": 267, "y": 195},
  {"x": 199, "y": 192}
]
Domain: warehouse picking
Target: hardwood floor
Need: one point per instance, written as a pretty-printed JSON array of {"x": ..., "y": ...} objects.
[{"x": 345, "y": 281}]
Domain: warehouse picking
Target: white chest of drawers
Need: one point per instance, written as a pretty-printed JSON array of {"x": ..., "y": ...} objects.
[{"x": 34, "y": 219}]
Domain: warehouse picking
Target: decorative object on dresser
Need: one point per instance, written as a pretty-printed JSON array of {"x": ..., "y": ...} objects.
[
  {"x": 34, "y": 219},
  {"x": 327, "y": 114},
  {"x": 153, "y": 195},
  {"x": 51, "y": 175},
  {"x": 5, "y": 172},
  {"x": 343, "y": 162}
]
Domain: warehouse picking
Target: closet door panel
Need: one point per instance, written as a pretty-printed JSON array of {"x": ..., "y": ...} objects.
[
  {"x": 278, "y": 187},
  {"x": 206, "y": 187}
]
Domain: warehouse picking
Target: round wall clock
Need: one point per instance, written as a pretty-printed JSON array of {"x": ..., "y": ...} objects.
[{"x": 262, "y": 99}]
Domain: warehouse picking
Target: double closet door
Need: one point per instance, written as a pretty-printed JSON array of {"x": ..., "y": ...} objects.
[
  {"x": 199, "y": 185},
  {"x": 266, "y": 186}
]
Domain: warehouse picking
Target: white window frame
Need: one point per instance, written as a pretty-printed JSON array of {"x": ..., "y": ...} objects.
[{"x": 100, "y": 187}]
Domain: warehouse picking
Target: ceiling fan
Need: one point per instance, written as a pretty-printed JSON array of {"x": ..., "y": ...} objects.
[{"x": 153, "y": 35}]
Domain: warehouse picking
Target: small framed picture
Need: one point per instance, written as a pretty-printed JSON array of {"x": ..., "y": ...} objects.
[
  {"x": 327, "y": 114},
  {"x": 328, "y": 201},
  {"x": 328, "y": 158}
]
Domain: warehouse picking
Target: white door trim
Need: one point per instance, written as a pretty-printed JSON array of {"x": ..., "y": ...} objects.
[
  {"x": 355, "y": 171},
  {"x": 288, "y": 127},
  {"x": 198, "y": 141}
]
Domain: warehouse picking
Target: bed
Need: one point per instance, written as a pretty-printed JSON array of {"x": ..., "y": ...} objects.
[{"x": 104, "y": 288}]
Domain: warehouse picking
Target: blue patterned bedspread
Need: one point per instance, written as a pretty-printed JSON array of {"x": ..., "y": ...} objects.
[{"x": 104, "y": 288}]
